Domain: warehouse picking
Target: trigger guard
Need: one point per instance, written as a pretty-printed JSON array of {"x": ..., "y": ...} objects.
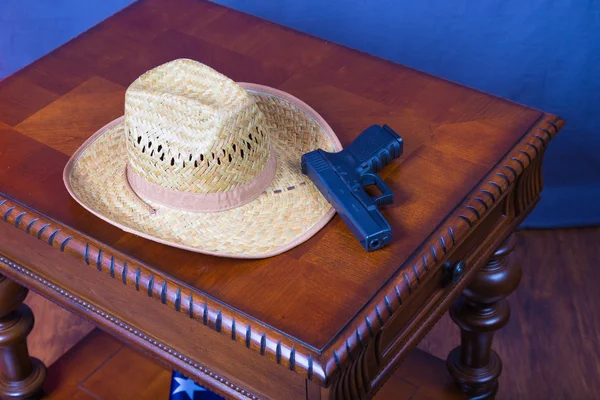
[{"x": 386, "y": 197}]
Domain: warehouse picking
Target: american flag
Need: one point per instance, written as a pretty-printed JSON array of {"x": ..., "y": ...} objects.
[{"x": 183, "y": 388}]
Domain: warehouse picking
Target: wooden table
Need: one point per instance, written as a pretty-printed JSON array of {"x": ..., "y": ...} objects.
[{"x": 324, "y": 320}]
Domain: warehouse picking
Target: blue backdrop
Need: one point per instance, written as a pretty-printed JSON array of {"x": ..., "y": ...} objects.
[{"x": 542, "y": 53}]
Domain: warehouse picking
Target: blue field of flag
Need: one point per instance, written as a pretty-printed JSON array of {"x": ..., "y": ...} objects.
[{"x": 183, "y": 388}]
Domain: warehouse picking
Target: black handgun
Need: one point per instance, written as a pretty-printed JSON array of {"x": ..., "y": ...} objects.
[{"x": 342, "y": 177}]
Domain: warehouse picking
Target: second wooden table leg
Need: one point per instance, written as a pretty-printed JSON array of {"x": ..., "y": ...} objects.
[
  {"x": 480, "y": 312},
  {"x": 21, "y": 377}
]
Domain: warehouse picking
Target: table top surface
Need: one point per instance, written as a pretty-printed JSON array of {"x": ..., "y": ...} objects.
[{"x": 456, "y": 139}]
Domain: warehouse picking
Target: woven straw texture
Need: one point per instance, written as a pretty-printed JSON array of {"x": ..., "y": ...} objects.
[
  {"x": 192, "y": 129},
  {"x": 287, "y": 213}
]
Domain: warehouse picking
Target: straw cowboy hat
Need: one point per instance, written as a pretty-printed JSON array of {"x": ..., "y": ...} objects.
[{"x": 206, "y": 164}]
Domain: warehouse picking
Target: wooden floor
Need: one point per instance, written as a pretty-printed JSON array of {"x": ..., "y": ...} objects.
[
  {"x": 55, "y": 330},
  {"x": 83, "y": 373},
  {"x": 550, "y": 347}
]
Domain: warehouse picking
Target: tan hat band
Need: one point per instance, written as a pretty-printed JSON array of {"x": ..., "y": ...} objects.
[{"x": 194, "y": 202}]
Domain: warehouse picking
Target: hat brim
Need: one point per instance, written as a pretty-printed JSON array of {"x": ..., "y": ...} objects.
[{"x": 286, "y": 214}]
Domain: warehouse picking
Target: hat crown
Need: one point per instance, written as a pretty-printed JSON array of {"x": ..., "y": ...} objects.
[{"x": 191, "y": 129}]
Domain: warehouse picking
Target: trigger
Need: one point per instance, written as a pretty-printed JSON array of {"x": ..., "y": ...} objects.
[{"x": 385, "y": 199}]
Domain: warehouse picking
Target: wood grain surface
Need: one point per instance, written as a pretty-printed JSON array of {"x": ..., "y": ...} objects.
[
  {"x": 470, "y": 172},
  {"x": 442, "y": 161}
]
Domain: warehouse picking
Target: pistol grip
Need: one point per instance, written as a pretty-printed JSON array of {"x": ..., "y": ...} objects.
[{"x": 386, "y": 197}]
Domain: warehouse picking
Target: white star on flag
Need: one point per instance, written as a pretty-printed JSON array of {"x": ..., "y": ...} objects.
[{"x": 188, "y": 386}]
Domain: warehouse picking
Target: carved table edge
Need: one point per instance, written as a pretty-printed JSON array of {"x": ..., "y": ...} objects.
[
  {"x": 192, "y": 303},
  {"x": 325, "y": 366},
  {"x": 346, "y": 347},
  {"x": 96, "y": 314}
]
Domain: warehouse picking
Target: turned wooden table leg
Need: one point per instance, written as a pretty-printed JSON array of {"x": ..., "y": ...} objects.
[
  {"x": 21, "y": 377},
  {"x": 479, "y": 312}
]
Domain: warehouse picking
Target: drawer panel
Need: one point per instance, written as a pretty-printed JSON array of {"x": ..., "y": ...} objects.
[{"x": 395, "y": 335}]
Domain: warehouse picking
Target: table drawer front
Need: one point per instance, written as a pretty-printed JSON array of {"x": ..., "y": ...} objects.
[{"x": 440, "y": 285}]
